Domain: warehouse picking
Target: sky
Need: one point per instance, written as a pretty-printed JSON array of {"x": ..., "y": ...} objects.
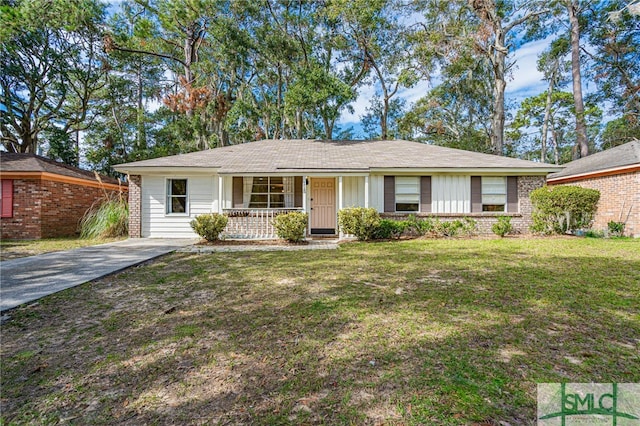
[{"x": 525, "y": 81}]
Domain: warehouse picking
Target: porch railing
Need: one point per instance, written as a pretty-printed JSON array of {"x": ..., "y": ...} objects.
[{"x": 252, "y": 223}]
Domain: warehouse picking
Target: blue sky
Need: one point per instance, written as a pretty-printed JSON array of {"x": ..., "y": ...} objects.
[{"x": 525, "y": 81}]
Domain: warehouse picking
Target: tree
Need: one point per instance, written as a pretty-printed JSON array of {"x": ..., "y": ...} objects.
[
  {"x": 453, "y": 113},
  {"x": 614, "y": 64},
  {"x": 553, "y": 67},
  {"x": 573, "y": 12},
  {"x": 51, "y": 67},
  {"x": 483, "y": 30},
  {"x": 532, "y": 114},
  {"x": 120, "y": 130}
]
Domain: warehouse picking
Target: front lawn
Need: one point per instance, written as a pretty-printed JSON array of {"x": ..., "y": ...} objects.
[
  {"x": 414, "y": 332},
  {"x": 12, "y": 249}
]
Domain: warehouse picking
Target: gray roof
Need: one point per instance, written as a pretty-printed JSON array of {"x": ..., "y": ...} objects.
[
  {"x": 619, "y": 156},
  {"x": 16, "y": 162},
  {"x": 290, "y": 156}
]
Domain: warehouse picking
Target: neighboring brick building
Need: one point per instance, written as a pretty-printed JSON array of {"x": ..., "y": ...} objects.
[
  {"x": 616, "y": 174},
  {"x": 41, "y": 198}
]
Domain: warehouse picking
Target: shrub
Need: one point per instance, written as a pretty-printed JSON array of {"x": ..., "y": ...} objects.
[
  {"x": 106, "y": 219},
  {"x": 435, "y": 228},
  {"x": 503, "y": 226},
  {"x": 420, "y": 226},
  {"x": 453, "y": 228},
  {"x": 359, "y": 221},
  {"x": 616, "y": 229},
  {"x": 561, "y": 209},
  {"x": 291, "y": 226},
  {"x": 594, "y": 234},
  {"x": 209, "y": 226},
  {"x": 388, "y": 229}
]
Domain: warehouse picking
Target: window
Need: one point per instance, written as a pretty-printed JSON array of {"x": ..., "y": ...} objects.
[
  {"x": 273, "y": 192},
  {"x": 6, "y": 198},
  {"x": 494, "y": 194},
  {"x": 176, "y": 196},
  {"x": 407, "y": 193}
]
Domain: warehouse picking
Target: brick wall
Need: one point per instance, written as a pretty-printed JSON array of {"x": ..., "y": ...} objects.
[
  {"x": 135, "y": 206},
  {"x": 619, "y": 200},
  {"x": 47, "y": 209},
  {"x": 25, "y": 222}
]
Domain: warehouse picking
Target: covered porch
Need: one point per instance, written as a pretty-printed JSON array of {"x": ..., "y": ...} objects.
[{"x": 253, "y": 202}]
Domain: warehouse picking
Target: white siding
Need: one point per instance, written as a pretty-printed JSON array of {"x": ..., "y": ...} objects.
[
  {"x": 227, "y": 192},
  {"x": 353, "y": 191},
  {"x": 451, "y": 194},
  {"x": 157, "y": 224},
  {"x": 376, "y": 192}
]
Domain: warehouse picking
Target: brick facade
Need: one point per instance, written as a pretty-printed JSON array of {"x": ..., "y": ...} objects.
[
  {"x": 45, "y": 208},
  {"x": 619, "y": 200},
  {"x": 135, "y": 206}
]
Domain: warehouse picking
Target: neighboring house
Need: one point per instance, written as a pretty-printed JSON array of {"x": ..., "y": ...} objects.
[
  {"x": 41, "y": 198},
  {"x": 253, "y": 182},
  {"x": 616, "y": 174}
]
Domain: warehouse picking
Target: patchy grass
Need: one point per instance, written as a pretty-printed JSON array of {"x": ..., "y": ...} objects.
[
  {"x": 411, "y": 332},
  {"x": 12, "y": 249}
]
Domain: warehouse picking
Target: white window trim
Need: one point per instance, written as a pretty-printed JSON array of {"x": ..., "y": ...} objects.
[
  {"x": 483, "y": 193},
  {"x": 268, "y": 193},
  {"x": 419, "y": 193},
  {"x": 166, "y": 197}
]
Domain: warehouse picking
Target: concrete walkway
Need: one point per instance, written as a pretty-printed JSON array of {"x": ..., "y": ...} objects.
[{"x": 30, "y": 278}]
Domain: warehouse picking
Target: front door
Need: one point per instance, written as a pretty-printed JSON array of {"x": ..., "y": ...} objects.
[{"x": 323, "y": 206}]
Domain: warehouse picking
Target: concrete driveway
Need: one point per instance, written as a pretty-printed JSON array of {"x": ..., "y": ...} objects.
[{"x": 29, "y": 278}]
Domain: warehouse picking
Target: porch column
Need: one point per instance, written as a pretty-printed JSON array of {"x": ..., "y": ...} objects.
[
  {"x": 340, "y": 197},
  {"x": 340, "y": 204},
  {"x": 366, "y": 191},
  {"x": 220, "y": 193}
]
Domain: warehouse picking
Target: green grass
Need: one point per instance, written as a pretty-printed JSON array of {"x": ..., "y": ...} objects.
[
  {"x": 413, "y": 332},
  {"x": 12, "y": 249}
]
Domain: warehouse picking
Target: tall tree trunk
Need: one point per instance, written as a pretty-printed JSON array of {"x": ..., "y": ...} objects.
[
  {"x": 582, "y": 147},
  {"x": 141, "y": 133},
  {"x": 499, "y": 69},
  {"x": 384, "y": 131},
  {"x": 545, "y": 123}
]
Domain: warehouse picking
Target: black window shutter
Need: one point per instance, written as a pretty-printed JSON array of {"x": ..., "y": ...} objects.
[
  {"x": 297, "y": 191},
  {"x": 425, "y": 194},
  {"x": 236, "y": 202},
  {"x": 389, "y": 194},
  {"x": 476, "y": 194}
]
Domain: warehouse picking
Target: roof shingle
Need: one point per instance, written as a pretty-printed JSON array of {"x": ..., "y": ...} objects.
[
  {"x": 619, "y": 156},
  {"x": 14, "y": 162},
  {"x": 273, "y": 156}
]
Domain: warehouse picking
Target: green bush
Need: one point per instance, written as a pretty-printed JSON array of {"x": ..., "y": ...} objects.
[
  {"x": 503, "y": 226},
  {"x": 420, "y": 226},
  {"x": 561, "y": 209},
  {"x": 106, "y": 219},
  {"x": 388, "y": 229},
  {"x": 616, "y": 229},
  {"x": 209, "y": 226},
  {"x": 433, "y": 227},
  {"x": 291, "y": 226},
  {"x": 360, "y": 222},
  {"x": 454, "y": 228}
]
